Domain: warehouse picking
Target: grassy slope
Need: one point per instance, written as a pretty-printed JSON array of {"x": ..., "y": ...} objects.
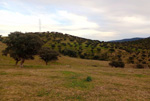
[{"x": 65, "y": 80}]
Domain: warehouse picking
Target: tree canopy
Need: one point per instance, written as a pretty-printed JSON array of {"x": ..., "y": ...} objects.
[
  {"x": 22, "y": 46},
  {"x": 48, "y": 55}
]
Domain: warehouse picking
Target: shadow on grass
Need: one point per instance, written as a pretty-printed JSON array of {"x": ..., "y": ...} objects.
[{"x": 37, "y": 66}]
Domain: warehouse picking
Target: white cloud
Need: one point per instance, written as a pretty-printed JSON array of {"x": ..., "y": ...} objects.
[
  {"x": 95, "y": 19},
  {"x": 75, "y": 24},
  {"x": 77, "y": 21}
]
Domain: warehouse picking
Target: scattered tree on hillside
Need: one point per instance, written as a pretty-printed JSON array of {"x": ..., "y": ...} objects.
[
  {"x": 48, "y": 55},
  {"x": 130, "y": 60},
  {"x": 22, "y": 46},
  {"x": 98, "y": 49},
  {"x": 111, "y": 50},
  {"x": 93, "y": 49},
  {"x": 69, "y": 52},
  {"x": 117, "y": 64}
]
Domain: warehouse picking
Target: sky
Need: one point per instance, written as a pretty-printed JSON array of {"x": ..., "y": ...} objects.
[{"x": 102, "y": 20}]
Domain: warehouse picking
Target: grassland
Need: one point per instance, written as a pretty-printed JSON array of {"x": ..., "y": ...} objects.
[{"x": 65, "y": 79}]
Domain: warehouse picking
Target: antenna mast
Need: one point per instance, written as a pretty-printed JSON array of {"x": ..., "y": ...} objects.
[{"x": 39, "y": 25}]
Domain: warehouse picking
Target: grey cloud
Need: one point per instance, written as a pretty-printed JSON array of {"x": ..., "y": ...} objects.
[{"x": 108, "y": 14}]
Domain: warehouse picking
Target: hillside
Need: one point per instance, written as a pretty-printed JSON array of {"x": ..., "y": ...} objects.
[
  {"x": 65, "y": 79},
  {"x": 134, "y": 52}
]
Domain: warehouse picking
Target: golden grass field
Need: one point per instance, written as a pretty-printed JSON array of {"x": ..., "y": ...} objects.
[{"x": 65, "y": 80}]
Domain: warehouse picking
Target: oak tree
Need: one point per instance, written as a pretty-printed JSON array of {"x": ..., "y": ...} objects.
[
  {"x": 22, "y": 46},
  {"x": 47, "y": 54}
]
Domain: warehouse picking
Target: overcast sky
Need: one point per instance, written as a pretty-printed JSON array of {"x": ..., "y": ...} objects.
[{"x": 94, "y": 19}]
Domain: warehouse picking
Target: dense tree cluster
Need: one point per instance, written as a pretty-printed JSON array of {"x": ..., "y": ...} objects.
[{"x": 22, "y": 46}]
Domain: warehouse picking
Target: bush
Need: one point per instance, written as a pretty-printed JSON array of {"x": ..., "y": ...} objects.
[
  {"x": 117, "y": 64},
  {"x": 82, "y": 56},
  {"x": 143, "y": 62},
  {"x": 131, "y": 60},
  {"x": 69, "y": 52},
  {"x": 89, "y": 79},
  {"x": 139, "y": 66},
  {"x": 96, "y": 57}
]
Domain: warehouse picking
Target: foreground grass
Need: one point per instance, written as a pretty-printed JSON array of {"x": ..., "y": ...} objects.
[
  {"x": 61, "y": 81},
  {"x": 66, "y": 80}
]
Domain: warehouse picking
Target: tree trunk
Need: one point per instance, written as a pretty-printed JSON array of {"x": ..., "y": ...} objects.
[
  {"x": 46, "y": 63},
  {"x": 16, "y": 62},
  {"x": 21, "y": 64}
]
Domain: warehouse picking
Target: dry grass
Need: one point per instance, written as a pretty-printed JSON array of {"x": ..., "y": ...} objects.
[{"x": 65, "y": 80}]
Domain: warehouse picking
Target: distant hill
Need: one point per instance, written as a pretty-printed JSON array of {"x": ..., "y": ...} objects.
[
  {"x": 134, "y": 51},
  {"x": 125, "y": 40}
]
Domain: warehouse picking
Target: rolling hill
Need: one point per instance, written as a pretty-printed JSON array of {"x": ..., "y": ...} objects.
[
  {"x": 134, "y": 52},
  {"x": 131, "y": 52}
]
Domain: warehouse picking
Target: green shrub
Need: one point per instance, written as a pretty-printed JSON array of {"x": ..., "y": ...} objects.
[
  {"x": 89, "y": 79},
  {"x": 117, "y": 64},
  {"x": 69, "y": 52}
]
